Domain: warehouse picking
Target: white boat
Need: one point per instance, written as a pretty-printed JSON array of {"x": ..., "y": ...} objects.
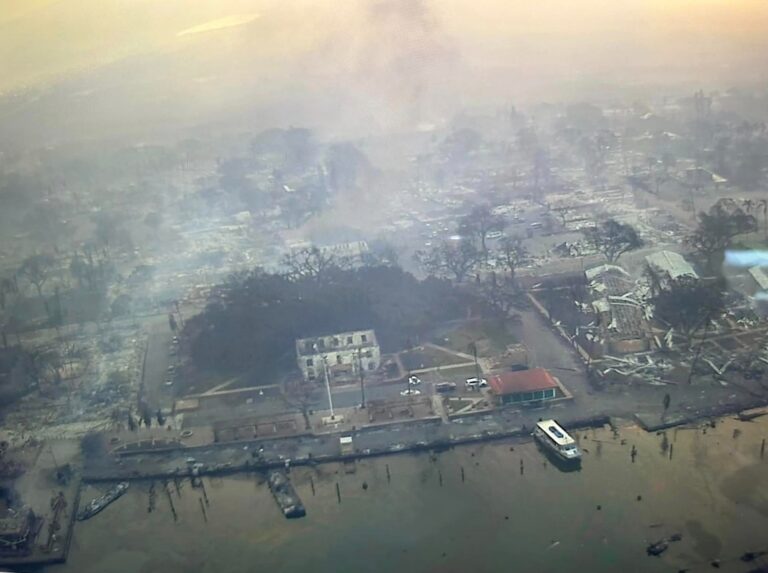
[{"x": 554, "y": 438}]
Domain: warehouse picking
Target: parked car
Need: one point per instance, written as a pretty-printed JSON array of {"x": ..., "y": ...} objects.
[
  {"x": 410, "y": 392},
  {"x": 445, "y": 387},
  {"x": 476, "y": 382},
  {"x": 414, "y": 380}
]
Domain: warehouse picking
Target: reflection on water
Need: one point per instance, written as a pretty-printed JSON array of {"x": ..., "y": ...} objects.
[{"x": 492, "y": 507}]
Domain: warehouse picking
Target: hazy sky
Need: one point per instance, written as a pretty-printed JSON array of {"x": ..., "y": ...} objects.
[
  {"x": 39, "y": 38},
  {"x": 379, "y": 58}
]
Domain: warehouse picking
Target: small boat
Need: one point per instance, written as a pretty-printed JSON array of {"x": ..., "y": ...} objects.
[
  {"x": 660, "y": 546},
  {"x": 285, "y": 496},
  {"x": 96, "y": 505},
  {"x": 555, "y": 439}
]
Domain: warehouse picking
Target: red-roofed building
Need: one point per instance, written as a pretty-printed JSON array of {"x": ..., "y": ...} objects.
[{"x": 524, "y": 386}]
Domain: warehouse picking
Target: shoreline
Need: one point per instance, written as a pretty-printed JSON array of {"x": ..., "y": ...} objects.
[{"x": 279, "y": 456}]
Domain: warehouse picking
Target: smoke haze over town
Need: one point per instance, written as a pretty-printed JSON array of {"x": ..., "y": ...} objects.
[{"x": 382, "y": 285}]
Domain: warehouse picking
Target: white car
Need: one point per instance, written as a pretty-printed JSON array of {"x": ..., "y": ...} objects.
[
  {"x": 476, "y": 382},
  {"x": 410, "y": 392},
  {"x": 414, "y": 380}
]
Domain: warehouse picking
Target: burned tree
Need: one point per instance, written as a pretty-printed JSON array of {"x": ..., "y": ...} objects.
[
  {"x": 311, "y": 262},
  {"x": 450, "y": 258},
  {"x": 299, "y": 394},
  {"x": 478, "y": 223},
  {"x": 500, "y": 294},
  {"x": 613, "y": 239},
  {"x": 7, "y": 286},
  {"x": 37, "y": 270},
  {"x": 717, "y": 229},
  {"x": 513, "y": 253},
  {"x": 689, "y": 304},
  {"x": 562, "y": 211}
]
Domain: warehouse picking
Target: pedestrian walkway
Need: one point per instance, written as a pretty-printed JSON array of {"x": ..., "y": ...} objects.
[{"x": 438, "y": 406}]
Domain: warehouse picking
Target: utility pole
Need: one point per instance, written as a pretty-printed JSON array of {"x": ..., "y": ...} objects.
[
  {"x": 328, "y": 386},
  {"x": 473, "y": 346},
  {"x": 362, "y": 377}
]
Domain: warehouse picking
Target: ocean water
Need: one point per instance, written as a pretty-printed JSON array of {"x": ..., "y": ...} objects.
[{"x": 424, "y": 517}]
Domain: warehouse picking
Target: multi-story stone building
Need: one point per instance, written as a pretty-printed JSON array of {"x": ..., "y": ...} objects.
[{"x": 341, "y": 354}]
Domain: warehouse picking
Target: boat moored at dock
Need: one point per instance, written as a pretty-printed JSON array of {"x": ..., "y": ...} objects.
[
  {"x": 285, "y": 495},
  {"x": 556, "y": 440},
  {"x": 98, "y": 504}
]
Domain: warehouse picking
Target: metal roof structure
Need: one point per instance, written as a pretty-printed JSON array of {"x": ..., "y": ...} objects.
[{"x": 672, "y": 264}]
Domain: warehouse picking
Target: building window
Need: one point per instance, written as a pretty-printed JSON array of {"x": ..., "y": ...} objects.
[
  {"x": 549, "y": 393},
  {"x": 349, "y": 340},
  {"x": 321, "y": 343},
  {"x": 368, "y": 353},
  {"x": 527, "y": 396},
  {"x": 371, "y": 366},
  {"x": 538, "y": 395},
  {"x": 364, "y": 337},
  {"x": 335, "y": 341},
  {"x": 338, "y": 359},
  {"x": 309, "y": 362}
]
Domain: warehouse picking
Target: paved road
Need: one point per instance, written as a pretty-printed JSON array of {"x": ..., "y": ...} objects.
[
  {"x": 157, "y": 394},
  {"x": 349, "y": 396}
]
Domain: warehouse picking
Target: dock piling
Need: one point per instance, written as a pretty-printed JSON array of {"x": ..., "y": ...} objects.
[
  {"x": 170, "y": 502},
  {"x": 202, "y": 508},
  {"x": 205, "y": 493}
]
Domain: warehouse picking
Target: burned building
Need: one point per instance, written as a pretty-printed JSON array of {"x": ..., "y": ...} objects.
[
  {"x": 620, "y": 320},
  {"x": 340, "y": 355},
  {"x": 17, "y": 532}
]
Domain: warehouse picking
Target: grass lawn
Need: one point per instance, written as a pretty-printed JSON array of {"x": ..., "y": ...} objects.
[
  {"x": 426, "y": 357},
  {"x": 491, "y": 336},
  {"x": 456, "y": 404},
  {"x": 196, "y": 382}
]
